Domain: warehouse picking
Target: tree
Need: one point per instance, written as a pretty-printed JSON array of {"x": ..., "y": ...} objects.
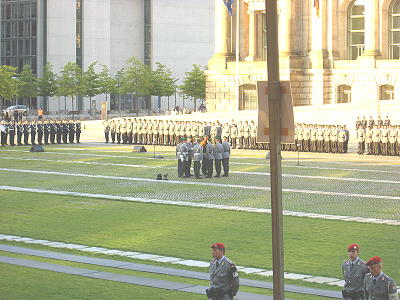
[
  {"x": 194, "y": 84},
  {"x": 137, "y": 79},
  {"x": 162, "y": 83},
  {"x": 8, "y": 82},
  {"x": 118, "y": 85},
  {"x": 27, "y": 84},
  {"x": 47, "y": 84},
  {"x": 69, "y": 82},
  {"x": 107, "y": 82},
  {"x": 91, "y": 83}
]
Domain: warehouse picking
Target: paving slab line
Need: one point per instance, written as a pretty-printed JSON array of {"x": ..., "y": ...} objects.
[
  {"x": 154, "y": 283},
  {"x": 162, "y": 270}
]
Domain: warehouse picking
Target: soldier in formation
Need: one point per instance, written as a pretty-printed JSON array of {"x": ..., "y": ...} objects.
[
  {"x": 319, "y": 138},
  {"x": 32, "y": 132},
  {"x": 379, "y": 139}
]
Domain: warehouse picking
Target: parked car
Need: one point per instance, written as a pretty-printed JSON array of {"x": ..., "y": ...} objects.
[
  {"x": 16, "y": 112},
  {"x": 17, "y": 108}
]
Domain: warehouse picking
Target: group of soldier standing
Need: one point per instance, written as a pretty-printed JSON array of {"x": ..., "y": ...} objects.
[
  {"x": 366, "y": 280},
  {"x": 205, "y": 153},
  {"x": 319, "y": 138},
  {"x": 39, "y": 132},
  {"x": 378, "y": 137},
  {"x": 241, "y": 135}
]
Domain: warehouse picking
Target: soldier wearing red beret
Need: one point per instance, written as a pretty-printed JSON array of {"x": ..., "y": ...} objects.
[
  {"x": 354, "y": 269},
  {"x": 224, "y": 279},
  {"x": 377, "y": 285}
]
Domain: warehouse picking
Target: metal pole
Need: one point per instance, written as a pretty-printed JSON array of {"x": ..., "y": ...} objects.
[{"x": 274, "y": 104}]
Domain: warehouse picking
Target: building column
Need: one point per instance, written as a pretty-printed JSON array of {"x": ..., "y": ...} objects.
[
  {"x": 285, "y": 27},
  {"x": 222, "y": 29},
  {"x": 371, "y": 29},
  {"x": 252, "y": 35}
]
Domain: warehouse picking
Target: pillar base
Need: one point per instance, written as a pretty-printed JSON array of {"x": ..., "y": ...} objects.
[
  {"x": 249, "y": 58},
  {"x": 374, "y": 53}
]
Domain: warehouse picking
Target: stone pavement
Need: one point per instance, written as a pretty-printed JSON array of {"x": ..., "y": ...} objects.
[
  {"x": 155, "y": 269},
  {"x": 154, "y": 283}
]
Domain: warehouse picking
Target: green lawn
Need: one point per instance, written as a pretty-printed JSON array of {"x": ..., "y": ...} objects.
[
  {"x": 324, "y": 204},
  {"x": 312, "y": 246},
  {"x": 187, "y": 232}
]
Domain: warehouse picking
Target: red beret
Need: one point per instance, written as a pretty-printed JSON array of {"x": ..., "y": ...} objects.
[
  {"x": 373, "y": 261},
  {"x": 218, "y": 246},
  {"x": 353, "y": 247}
]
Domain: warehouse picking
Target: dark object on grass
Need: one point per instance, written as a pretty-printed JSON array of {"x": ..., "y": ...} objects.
[
  {"x": 36, "y": 148},
  {"x": 165, "y": 177},
  {"x": 159, "y": 177},
  {"x": 139, "y": 149}
]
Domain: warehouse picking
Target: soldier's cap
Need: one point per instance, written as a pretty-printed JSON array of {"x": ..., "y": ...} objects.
[
  {"x": 374, "y": 260},
  {"x": 218, "y": 246},
  {"x": 182, "y": 139},
  {"x": 218, "y": 138},
  {"x": 353, "y": 247}
]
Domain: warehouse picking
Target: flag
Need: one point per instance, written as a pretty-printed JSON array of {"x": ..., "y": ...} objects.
[
  {"x": 229, "y": 4},
  {"x": 316, "y": 6}
]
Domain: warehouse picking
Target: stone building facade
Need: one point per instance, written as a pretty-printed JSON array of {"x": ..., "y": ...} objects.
[{"x": 339, "y": 55}]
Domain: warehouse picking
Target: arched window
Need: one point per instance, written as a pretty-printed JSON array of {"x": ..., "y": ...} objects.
[
  {"x": 248, "y": 97},
  {"x": 343, "y": 94},
  {"x": 386, "y": 92},
  {"x": 394, "y": 30},
  {"x": 356, "y": 29}
]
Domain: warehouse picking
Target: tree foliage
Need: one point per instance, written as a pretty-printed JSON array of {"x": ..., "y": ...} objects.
[
  {"x": 27, "y": 83},
  {"x": 162, "y": 82},
  {"x": 194, "y": 84},
  {"x": 47, "y": 84},
  {"x": 8, "y": 82},
  {"x": 137, "y": 78}
]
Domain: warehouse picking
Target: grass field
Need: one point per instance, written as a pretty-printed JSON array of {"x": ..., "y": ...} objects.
[{"x": 324, "y": 184}]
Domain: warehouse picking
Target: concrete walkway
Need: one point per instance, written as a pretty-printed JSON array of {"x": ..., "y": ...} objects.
[
  {"x": 158, "y": 270},
  {"x": 154, "y": 283}
]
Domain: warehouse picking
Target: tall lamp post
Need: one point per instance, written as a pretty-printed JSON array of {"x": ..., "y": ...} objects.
[{"x": 274, "y": 104}]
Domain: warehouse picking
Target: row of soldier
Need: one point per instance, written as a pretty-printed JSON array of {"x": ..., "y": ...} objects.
[
  {"x": 364, "y": 123},
  {"x": 241, "y": 135},
  {"x": 319, "y": 138},
  {"x": 379, "y": 140},
  {"x": 39, "y": 132},
  {"x": 205, "y": 154}
]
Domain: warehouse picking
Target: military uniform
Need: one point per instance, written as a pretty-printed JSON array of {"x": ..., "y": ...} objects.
[
  {"x": 376, "y": 137},
  {"x": 353, "y": 273},
  {"x": 106, "y": 131},
  {"x": 218, "y": 156},
  {"x": 384, "y": 140},
  {"x": 368, "y": 140},
  {"x": 381, "y": 288},
  {"x": 197, "y": 159},
  {"x": 377, "y": 285},
  {"x": 118, "y": 131},
  {"x": 341, "y": 140},
  {"x": 11, "y": 133},
  {"x": 224, "y": 279},
  {"x": 3, "y": 133},
  {"x": 361, "y": 140},
  {"x": 320, "y": 139},
  {"x": 225, "y": 157},
  {"x": 40, "y": 128},
  {"x": 209, "y": 155},
  {"x": 234, "y": 135},
  {"x": 78, "y": 131},
  {"x": 392, "y": 141},
  {"x": 26, "y": 131}
]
